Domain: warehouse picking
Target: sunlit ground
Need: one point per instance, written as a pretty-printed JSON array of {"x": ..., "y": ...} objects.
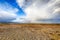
[{"x": 29, "y": 31}]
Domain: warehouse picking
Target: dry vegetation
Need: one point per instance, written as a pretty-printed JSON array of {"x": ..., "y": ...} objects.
[{"x": 29, "y": 31}]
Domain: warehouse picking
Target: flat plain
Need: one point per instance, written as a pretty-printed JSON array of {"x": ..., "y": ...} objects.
[{"x": 29, "y": 31}]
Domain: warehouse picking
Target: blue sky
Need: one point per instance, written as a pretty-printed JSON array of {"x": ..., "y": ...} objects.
[
  {"x": 13, "y": 4},
  {"x": 6, "y": 6},
  {"x": 23, "y": 11}
]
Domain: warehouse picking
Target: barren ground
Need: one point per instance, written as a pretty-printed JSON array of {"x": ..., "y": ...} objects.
[{"x": 29, "y": 31}]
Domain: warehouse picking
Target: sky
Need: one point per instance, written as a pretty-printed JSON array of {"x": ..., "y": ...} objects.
[{"x": 30, "y": 11}]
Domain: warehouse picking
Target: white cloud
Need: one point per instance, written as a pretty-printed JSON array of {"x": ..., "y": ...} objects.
[
  {"x": 20, "y": 2},
  {"x": 41, "y": 9},
  {"x": 7, "y": 13},
  {"x": 45, "y": 11},
  {"x": 6, "y": 16},
  {"x": 21, "y": 19}
]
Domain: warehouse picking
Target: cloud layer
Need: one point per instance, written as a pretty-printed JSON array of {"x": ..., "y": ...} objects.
[
  {"x": 37, "y": 11},
  {"x": 43, "y": 9},
  {"x": 7, "y": 13}
]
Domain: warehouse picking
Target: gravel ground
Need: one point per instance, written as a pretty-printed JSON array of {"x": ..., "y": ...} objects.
[{"x": 28, "y": 33}]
